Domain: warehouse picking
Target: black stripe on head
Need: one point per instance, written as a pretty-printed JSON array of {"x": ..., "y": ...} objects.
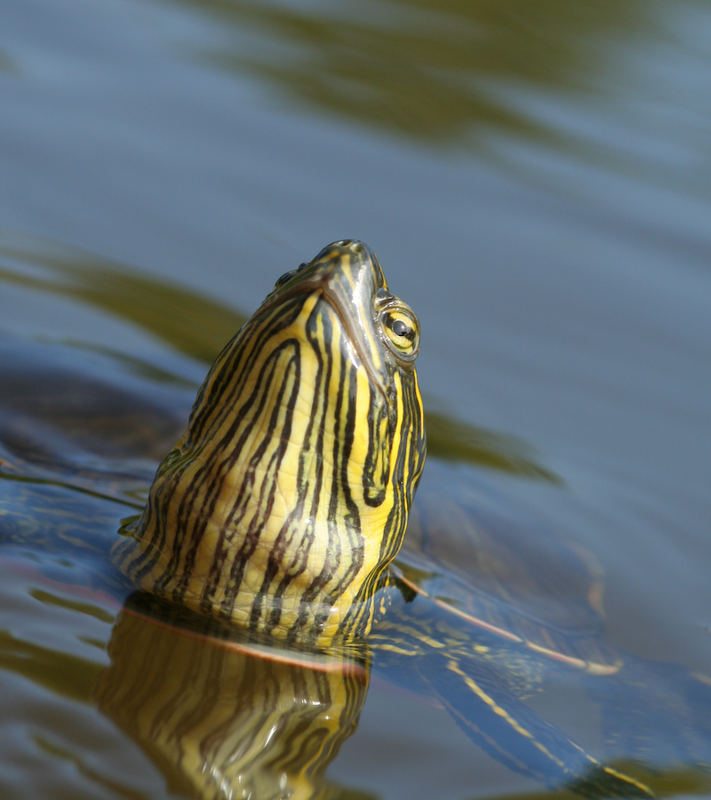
[{"x": 288, "y": 494}]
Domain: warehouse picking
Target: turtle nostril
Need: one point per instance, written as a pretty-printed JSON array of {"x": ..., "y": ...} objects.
[{"x": 354, "y": 245}]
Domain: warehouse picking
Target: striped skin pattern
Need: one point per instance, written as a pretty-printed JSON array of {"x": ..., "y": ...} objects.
[
  {"x": 285, "y": 501},
  {"x": 223, "y": 723},
  {"x": 288, "y": 494}
]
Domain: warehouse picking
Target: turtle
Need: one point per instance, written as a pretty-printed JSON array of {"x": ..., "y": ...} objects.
[{"x": 277, "y": 526}]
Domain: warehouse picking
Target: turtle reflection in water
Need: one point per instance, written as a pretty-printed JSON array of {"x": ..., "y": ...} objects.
[{"x": 278, "y": 514}]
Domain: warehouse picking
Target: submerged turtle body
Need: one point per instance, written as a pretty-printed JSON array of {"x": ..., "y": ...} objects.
[
  {"x": 281, "y": 510},
  {"x": 540, "y": 591},
  {"x": 285, "y": 501}
]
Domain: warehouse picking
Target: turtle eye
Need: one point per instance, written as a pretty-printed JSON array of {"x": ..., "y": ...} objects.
[
  {"x": 285, "y": 278},
  {"x": 402, "y": 330}
]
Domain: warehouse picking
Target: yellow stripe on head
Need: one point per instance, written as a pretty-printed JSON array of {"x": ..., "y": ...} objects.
[{"x": 288, "y": 494}]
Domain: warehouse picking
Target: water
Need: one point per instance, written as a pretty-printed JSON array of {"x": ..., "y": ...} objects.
[{"x": 535, "y": 179}]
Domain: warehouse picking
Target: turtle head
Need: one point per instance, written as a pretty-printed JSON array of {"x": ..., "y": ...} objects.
[{"x": 288, "y": 494}]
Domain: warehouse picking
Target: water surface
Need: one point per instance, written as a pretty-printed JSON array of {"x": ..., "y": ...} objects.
[{"x": 535, "y": 179}]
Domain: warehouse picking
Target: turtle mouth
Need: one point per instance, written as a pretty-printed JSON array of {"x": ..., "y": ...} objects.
[{"x": 320, "y": 285}]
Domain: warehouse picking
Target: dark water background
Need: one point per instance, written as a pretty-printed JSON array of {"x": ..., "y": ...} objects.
[{"x": 536, "y": 181}]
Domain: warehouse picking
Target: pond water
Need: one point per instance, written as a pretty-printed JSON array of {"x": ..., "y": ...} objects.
[{"x": 536, "y": 181}]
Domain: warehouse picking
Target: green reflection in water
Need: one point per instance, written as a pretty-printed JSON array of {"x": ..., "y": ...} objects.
[
  {"x": 6, "y": 63},
  {"x": 680, "y": 782},
  {"x": 190, "y": 323},
  {"x": 79, "y": 606},
  {"x": 79, "y": 761},
  {"x": 199, "y": 326},
  {"x": 60, "y": 673},
  {"x": 454, "y": 440},
  {"x": 433, "y": 71}
]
